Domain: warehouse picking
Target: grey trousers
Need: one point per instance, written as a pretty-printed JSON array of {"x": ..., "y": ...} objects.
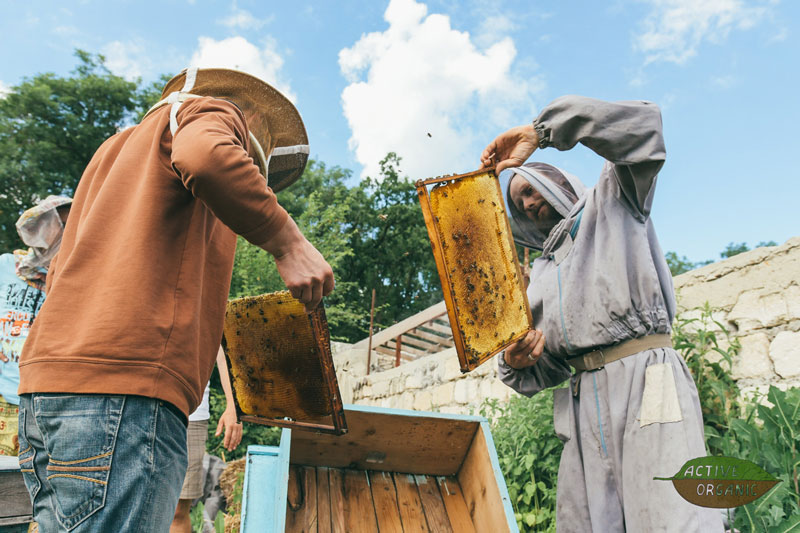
[{"x": 637, "y": 418}]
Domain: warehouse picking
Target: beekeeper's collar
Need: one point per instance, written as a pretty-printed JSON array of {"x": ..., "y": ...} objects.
[
  {"x": 40, "y": 227},
  {"x": 559, "y": 188}
]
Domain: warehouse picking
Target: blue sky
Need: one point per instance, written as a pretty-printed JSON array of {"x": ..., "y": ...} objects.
[{"x": 374, "y": 76}]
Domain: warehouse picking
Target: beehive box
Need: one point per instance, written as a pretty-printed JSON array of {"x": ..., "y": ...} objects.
[
  {"x": 280, "y": 363},
  {"x": 394, "y": 471},
  {"x": 477, "y": 264}
]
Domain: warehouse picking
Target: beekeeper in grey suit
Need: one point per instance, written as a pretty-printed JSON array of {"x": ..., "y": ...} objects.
[{"x": 602, "y": 302}]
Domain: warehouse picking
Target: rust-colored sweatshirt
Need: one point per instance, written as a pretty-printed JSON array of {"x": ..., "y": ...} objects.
[{"x": 136, "y": 295}]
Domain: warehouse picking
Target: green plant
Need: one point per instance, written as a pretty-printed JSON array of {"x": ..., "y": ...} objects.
[
  {"x": 529, "y": 452},
  {"x": 769, "y": 435},
  {"x": 697, "y": 338}
]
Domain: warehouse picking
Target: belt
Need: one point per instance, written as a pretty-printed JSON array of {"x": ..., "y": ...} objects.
[{"x": 599, "y": 358}]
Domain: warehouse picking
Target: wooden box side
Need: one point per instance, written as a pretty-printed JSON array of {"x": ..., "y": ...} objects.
[
  {"x": 484, "y": 487},
  {"x": 391, "y": 440},
  {"x": 16, "y": 507},
  {"x": 264, "y": 491}
]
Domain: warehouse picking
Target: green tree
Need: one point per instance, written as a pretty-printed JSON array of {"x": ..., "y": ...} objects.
[{"x": 50, "y": 126}]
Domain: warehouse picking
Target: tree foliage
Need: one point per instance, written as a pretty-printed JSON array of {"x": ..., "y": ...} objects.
[{"x": 50, "y": 126}]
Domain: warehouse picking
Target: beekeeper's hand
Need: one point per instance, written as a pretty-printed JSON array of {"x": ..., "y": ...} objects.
[
  {"x": 303, "y": 269},
  {"x": 510, "y": 149},
  {"x": 526, "y": 351}
]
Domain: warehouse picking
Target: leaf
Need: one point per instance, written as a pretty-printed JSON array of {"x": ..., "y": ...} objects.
[{"x": 721, "y": 482}]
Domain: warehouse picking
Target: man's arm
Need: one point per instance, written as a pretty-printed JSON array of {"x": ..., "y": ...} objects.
[
  {"x": 228, "y": 421},
  {"x": 627, "y": 134},
  {"x": 209, "y": 153}
]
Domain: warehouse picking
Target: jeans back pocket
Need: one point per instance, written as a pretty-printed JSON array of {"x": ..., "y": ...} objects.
[{"x": 79, "y": 433}]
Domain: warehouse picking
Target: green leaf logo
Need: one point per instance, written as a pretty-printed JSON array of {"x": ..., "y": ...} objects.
[{"x": 721, "y": 482}]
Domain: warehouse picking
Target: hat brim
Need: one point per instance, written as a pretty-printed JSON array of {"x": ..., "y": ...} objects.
[{"x": 271, "y": 117}]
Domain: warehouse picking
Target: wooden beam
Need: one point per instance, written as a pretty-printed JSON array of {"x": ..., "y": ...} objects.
[
  {"x": 398, "y": 345},
  {"x": 391, "y": 352},
  {"x": 427, "y": 347},
  {"x": 431, "y": 338},
  {"x": 404, "y": 325},
  {"x": 444, "y": 329}
]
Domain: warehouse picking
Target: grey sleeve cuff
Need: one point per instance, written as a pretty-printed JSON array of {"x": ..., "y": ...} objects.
[{"x": 543, "y": 133}]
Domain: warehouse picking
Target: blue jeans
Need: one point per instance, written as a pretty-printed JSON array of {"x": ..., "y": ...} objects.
[{"x": 101, "y": 463}]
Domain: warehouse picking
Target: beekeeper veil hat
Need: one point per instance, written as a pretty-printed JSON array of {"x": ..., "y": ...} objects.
[
  {"x": 559, "y": 188},
  {"x": 40, "y": 227},
  {"x": 278, "y": 140}
]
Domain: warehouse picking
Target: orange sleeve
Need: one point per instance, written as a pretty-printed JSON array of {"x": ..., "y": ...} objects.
[{"x": 209, "y": 153}]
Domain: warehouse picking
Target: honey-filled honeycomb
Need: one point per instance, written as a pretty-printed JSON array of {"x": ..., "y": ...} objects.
[
  {"x": 275, "y": 358},
  {"x": 477, "y": 265}
]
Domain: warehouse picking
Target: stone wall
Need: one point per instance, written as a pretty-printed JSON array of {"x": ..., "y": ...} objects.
[
  {"x": 431, "y": 383},
  {"x": 756, "y": 295}
]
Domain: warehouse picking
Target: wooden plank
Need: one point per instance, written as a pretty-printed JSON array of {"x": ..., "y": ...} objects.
[
  {"x": 407, "y": 348},
  {"x": 432, "y": 503},
  {"x": 359, "y": 511},
  {"x": 337, "y": 500},
  {"x": 384, "y": 498},
  {"x": 390, "y": 352},
  {"x": 443, "y": 328},
  {"x": 404, "y": 325},
  {"x": 323, "y": 501},
  {"x": 301, "y": 500},
  {"x": 16, "y": 507},
  {"x": 454, "y": 504},
  {"x": 409, "y": 504},
  {"x": 415, "y": 443},
  {"x": 432, "y": 337},
  {"x": 479, "y": 485},
  {"x": 410, "y": 339}
]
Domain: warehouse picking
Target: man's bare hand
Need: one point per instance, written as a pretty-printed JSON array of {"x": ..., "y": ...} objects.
[
  {"x": 526, "y": 351},
  {"x": 510, "y": 149},
  {"x": 303, "y": 269},
  {"x": 3, "y": 358}
]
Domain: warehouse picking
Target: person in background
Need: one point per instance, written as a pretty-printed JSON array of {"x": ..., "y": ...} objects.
[
  {"x": 126, "y": 341},
  {"x": 602, "y": 301},
  {"x": 197, "y": 434},
  {"x": 22, "y": 279}
]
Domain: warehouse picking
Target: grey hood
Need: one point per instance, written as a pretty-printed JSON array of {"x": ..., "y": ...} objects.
[{"x": 559, "y": 188}]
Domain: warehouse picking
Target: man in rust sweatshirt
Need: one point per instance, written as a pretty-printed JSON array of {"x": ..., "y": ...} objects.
[{"x": 126, "y": 340}]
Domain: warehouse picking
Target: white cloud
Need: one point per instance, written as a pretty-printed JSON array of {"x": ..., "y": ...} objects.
[
  {"x": 127, "y": 59},
  {"x": 240, "y": 18},
  {"x": 5, "y": 90},
  {"x": 424, "y": 90},
  {"x": 674, "y": 29},
  {"x": 724, "y": 82},
  {"x": 240, "y": 54}
]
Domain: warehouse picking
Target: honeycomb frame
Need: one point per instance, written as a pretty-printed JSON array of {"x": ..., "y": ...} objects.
[
  {"x": 280, "y": 364},
  {"x": 477, "y": 262}
]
